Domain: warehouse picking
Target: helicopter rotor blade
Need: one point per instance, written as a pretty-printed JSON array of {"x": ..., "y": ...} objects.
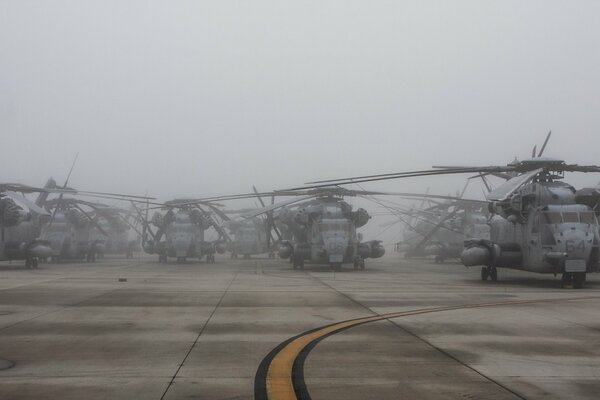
[
  {"x": 544, "y": 145},
  {"x": 503, "y": 192},
  {"x": 92, "y": 220},
  {"x": 26, "y": 202},
  {"x": 276, "y": 206}
]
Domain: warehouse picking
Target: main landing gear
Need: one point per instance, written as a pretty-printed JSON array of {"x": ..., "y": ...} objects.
[
  {"x": 490, "y": 272},
  {"x": 210, "y": 258},
  {"x": 31, "y": 263},
  {"x": 573, "y": 280},
  {"x": 359, "y": 263},
  {"x": 298, "y": 262}
]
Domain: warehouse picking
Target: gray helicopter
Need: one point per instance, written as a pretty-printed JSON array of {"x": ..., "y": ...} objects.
[
  {"x": 117, "y": 223},
  {"x": 70, "y": 230},
  {"x": 441, "y": 229},
  {"x": 180, "y": 231},
  {"x": 254, "y": 236},
  {"x": 20, "y": 224},
  {"x": 249, "y": 237},
  {"x": 538, "y": 222},
  {"x": 321, "y": 228}
]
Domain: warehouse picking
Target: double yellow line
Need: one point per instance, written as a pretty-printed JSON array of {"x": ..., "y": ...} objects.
[{"x": 281, "y": 384}]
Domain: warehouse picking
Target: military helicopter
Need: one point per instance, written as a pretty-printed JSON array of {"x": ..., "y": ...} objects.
[
  {"x": 19, "y": 224},
  {"x": 70, "y": 231},
  {"x": 440, "y": 230},
  {"x": 180, "y": 231},
  {"x": 254, "y": 236},
  {"x": 538, "y": 222},
  {"x": 321, "y": 228},
  {"x": 249, "y": 237},
  {"x": 116, "y": 223}
]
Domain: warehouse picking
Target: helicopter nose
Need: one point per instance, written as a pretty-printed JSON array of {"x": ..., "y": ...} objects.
[{"x": 576, "y": 243}]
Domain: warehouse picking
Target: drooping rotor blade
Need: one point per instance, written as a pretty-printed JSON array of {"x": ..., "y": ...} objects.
[
  {"x": 485, "y": 182},
  {"x": 277, "y": 205},
  {"x": 262, "y": 203},
  {"x": 222, "y": 233},
  {"x": 219, "y": 212},
  {"x": 544, "y": 145},
  {"x": 503, "y": 192},
  {"x": 533, "y": 151},
  {"x": 144, "y": 220},
  {"x": 92, "y": 220},
  {"x": 26, "y": 202},
  {"x": 436, "y": 228}
]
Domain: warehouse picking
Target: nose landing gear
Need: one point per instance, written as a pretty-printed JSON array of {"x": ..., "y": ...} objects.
[
  {"x": 573, "y": 280},
  {"x": 490, "y": 272}
]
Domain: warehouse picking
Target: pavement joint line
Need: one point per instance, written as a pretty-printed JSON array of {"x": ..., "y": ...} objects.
[
  {"x": 198, "y": 337},
  {"x": 62, "y": 308},
  {"x": 67, "y": 276},
  {"x": 283, "y": 375}
]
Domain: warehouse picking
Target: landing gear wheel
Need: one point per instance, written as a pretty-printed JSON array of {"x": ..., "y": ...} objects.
[
  {"x": 298, "y": 262},
  {"x": 484, "y": 273},
  {"x": 578, "y": 279},
  {"x": 493, "y": 274}
]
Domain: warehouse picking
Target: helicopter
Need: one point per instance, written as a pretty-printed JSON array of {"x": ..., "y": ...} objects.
[
  {"x": 538, "y": 222},
  {"x": 321, "y": 228},
  {"x": 117, "y": 223},
  {"x": 249, "y": 237},
  {"x": 180, "y": 231},
  {"x": 253, "y": 236},
  {"x": 70, "y": 230},
  {"x": 440, "y": 230},
  {"x": 19, "y": 224}
]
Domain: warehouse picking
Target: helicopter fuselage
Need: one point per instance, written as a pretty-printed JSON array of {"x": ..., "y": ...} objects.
[{"x": 539, "y": 229}]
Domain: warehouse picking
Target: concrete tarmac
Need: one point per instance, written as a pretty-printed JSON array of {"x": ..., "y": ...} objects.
[{"x": 137, "y": 329}]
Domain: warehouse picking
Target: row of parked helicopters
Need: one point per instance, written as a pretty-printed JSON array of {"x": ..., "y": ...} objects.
[
  {"x": 318, "y": 226},
  {"x": 533, "y": 221}
]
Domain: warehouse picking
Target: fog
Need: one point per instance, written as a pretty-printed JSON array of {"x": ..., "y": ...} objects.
[{"x": 198, "y": 98}]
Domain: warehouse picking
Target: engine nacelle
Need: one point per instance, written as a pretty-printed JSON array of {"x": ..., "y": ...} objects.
[
  {"x": 285, "y": 250},
  {"x": 40, "y": 249},
  {"x": 220, "y": 247},
  {"x": 149, "y": 247},
  {"x": 484, "y": 252},
  {"x": 588, "y": 196},
  {"x": 361, "y": 217},
  {"x": 98, "y": 248},
  {"x": 157, "y": 219},
  {"x": 372, "y": 249},
  {"x": 11, "y": 214}
]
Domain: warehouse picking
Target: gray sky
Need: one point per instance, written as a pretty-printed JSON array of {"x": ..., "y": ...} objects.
[{"x": 209, "y": 97}]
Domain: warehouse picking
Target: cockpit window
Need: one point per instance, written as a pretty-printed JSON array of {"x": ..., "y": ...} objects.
[
  {"x": 587, "y": 218},
  {"x": 552, "y": 218},
  {"x": 570, "y": 217}
]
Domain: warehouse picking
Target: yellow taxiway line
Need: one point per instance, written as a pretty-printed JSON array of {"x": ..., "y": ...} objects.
[{"x": 279, "y": 379}]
